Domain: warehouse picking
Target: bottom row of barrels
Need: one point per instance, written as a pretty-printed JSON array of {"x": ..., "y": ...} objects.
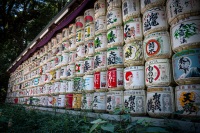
[{"x": 156, "y": 101}]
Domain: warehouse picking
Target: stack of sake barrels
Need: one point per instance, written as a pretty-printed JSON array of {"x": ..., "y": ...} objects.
[
  {"x": 115, "y": 63},
  {"x": 79, "y": 64},
  {"x": 88, "y": 78},
  {"x": 69, "y": 71},
  {"x": 100, "y": 65},
  {"x": 134, "y": 94},
  {"x": 184, "y": 19},
  {"x": 157, "y": 53}
]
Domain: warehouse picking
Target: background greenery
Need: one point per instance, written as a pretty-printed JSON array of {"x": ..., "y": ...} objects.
[
  {"x": 20, "y": 22},
  {"x": 18, "y": 119}
]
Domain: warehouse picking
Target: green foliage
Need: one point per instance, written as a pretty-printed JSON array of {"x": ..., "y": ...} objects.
[
  {"x": 20, "y": 22},
  {"x": 18, "y": 119},
  {"x": 188, "y": 29}
]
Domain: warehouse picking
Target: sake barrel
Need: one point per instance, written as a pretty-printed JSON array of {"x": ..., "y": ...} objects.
[
  {"x": 115, "y": 57},
  {"x": 72, "y": 56},
  {"x": 78, "y": 84},
  {"x": 70, "y": 71},
  {"x": 158, "y": 72},
  {"x": 79, "y": 68},
  {"x": 57, "y": 60},
  {"x": 185, "y": 34},
  {"x": 89, "y": 48},
  {"x": 186, "y": 66},
  {"x": 50, "y": 101},
  {"x": 100, "y": 8},
  {"x": 100, "y": 25},
  {"x": 89, "y": 65},
  {"x": 100, "y": 42},
  {"x": 133, "y": 30},
  {"x": 88, "y": 83},
  {"x": 69, "y": 100},
  {"x": 45, "y": 49},
  {"x": 100, "y": 61},
  {"x": 89, "y": 31},
  {"x": 63, "y": 72},
  {"x": 134, "y": 77},
  {"x": 133, "y": 53},
  {"x": 114, "y": 17},
  {"x": 80, "y": 23},
  {"x": 43, "y": 101},
  {"x": 65, "y": 45},
  {"x": 80, "y": 37},
  {"x": 56, "y": 87},
  {"x": 113, "y": 4},
  {"x": 36, "y": 81},
  {"x": 147, "y": 4},
  {"x": 65, "y": 34},
  {"x": 69, "y": 85},
  {"x": 100, "y": 81},
  {"x": 187, "y": 100},
  {"x": 64, "y": 59},
  {"x": 160, "y": 101},
  {"x": 72, "y": 44},
  {"x": 115, "y": 80},
  {"x": 154, "y": 20},
  {"x": 58, "y": 74},
  {"x": 61, "y": 101},
  {"x": 87, "y": 101},
  {"x": 130, "y": 9},
  {"x": 181, "y": 9},
  {"x": 72, "y": 30},
  {"x": 80, "y": 52},
  {"x": 63, "y": 86},
  {"x": 59, "y": 38},
  {"x": 99, "y": 102},
  {"x": 115, "y": 36},
  {"x": 115, "y": 100},
  {"x": 49, "y": 46},
  {"x": 157, "y": 45},
  {"x": 135, "y": 101},
  {"x": 52, "y": 66},
  {"x": 76, "y": 105},
  {"x": 89, "y": 16},
  {"x": 53, "y": 42}
]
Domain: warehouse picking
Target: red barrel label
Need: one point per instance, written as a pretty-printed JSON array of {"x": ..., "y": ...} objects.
[
  {"x": 97, "y": 80},
  {"x": 112, "y": 78}
]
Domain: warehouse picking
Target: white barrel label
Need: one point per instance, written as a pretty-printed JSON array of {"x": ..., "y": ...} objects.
[
  {"x": 115, "y": 36},
  {"x": 134, "y": 77},
  {"x": 133, "y": 53},
  {"x": 100, "y": 42},
  {"x": 135, "y": 101},
  {"x": 89, "y": 48},
  {"x": 158, "y": 72},
  {"x": 89, "y": 64},
  {"x": 160, "y": 101},
  {"x": 115, "y": 77},
  {"x": 133, "y": 30},
  {"x": 186, "y": 32},
  {"x": 100, "y": 60},
  {"x": 115, "y": 56},
  {"x": 154, "y": 20},
  {"x": 100, "y": 8},
  {"x": 100, "y": 25},
  {"x": 114, "y": 18},
  {"x": 89, "y": 32},
  {"x": 157, "y": 44},
  {"x": 99, "y": 101},
  {"x": 130, "y": 9}
]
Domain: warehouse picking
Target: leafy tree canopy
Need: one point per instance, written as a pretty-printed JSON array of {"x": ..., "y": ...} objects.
[{"x": 20, "y": 22}]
